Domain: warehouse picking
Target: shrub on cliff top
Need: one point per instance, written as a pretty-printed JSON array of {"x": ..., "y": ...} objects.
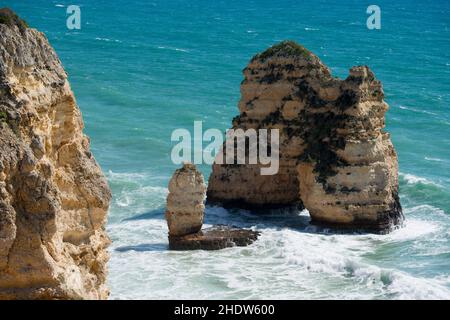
[
  {"x": 3, "y": 116},
  {"x": 284, "y": 49},
  {"x": 8, "y": 17}
]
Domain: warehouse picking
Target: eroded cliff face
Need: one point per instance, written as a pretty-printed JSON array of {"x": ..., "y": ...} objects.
[
  {"x": 53, "y": 195},
  {"x": 335, "y": 158},
  {"x": 271, "y": 98}
]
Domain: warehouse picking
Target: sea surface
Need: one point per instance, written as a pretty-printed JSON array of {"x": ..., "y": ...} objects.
[{"x": 141, "y": 69}]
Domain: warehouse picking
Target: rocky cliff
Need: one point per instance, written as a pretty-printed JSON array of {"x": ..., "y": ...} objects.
[
  {"x": 53, "y": 195},
  {"x": 335, "y": 158}
]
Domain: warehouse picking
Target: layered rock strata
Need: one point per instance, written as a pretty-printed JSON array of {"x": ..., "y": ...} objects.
[
  {"x": 53, "y": 196},
  {"x": 335, "y": 158}
]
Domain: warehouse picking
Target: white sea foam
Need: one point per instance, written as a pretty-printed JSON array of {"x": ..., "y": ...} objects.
[
  {"x": 291, "y": 260},
  {"x": 174, "y": 49},
  {"x": 413, "y": 229},
  {"x": 418, "y": 110},
  {"x": 285, "y": 263},
  {"x": 107, "y": 40},
  {"x": 141, "y": 195},
  {"x": 132, "y": 176},
  {"x": 434, "y": 159},
  {"x": 135, "y": 194},
  {"x": 407, "y": 287},
  {"x": 428, "y": 212},
  {"x": 412, "y": 179}
]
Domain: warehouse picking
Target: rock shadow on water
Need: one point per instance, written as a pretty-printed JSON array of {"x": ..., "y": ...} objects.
[
  {"x": 153, "y": 214},
  {"x": 144, "y": 247},
  {"x": 281, "y": 218},
  {"x": 278, "y": 219}
]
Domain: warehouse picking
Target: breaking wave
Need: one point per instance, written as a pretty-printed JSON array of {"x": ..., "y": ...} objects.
[{"x": 291, "y": 260}]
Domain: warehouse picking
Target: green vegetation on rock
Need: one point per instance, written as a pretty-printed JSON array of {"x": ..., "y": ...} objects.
[
  {"x": 285, "y": 48},
  {"x": 9, "y": 18},
  {"x": 3, "y": 116}
]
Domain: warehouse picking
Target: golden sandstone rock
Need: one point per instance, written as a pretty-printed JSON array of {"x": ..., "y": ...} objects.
[
  {"x": 53, "y": 196},
  {"x": 335, "y": 158},
  {"x": 185, "y": 213},
  {"x": 185, "y": 202}
]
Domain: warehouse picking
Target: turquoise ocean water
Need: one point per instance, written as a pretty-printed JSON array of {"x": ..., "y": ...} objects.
[{"x": 140, "y": 69}]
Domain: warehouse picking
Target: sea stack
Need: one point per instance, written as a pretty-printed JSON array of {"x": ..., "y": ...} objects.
[
  {"x": 53, "y": 196},
  {"x": 185, "y": 213},
  {"x": 185, "y": 202},
  {"x": 335, "y": 158}
]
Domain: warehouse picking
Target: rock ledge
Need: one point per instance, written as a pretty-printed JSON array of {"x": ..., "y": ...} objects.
[{"x": 214, "y": 238}]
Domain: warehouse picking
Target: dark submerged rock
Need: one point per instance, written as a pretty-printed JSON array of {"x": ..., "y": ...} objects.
[{"x": 214, "y": 238}]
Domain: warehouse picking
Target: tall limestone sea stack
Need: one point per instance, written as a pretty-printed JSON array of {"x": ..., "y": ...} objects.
[
  {"x": 53, "y": 196},
  {"x": 185, "y": 214},
  {"x": 185, "y": 202},
  {"x": 335, "y": 158}
]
